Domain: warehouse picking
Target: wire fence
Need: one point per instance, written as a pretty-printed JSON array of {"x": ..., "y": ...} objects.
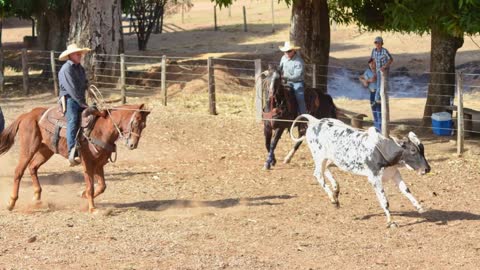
[{"x": 223, "y": 81}]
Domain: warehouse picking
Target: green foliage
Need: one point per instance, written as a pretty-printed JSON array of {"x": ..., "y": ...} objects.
[
  {"x": 455, "y": 17},
  {"x": 28, "y": 8}
]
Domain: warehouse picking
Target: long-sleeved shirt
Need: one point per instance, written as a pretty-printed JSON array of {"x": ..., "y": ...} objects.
[
  {"x": 293, "y": 69},
  {"x": 73, "y": 82}
]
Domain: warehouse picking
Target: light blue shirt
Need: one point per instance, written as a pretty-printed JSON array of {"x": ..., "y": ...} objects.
[
  {"x": 293, "y": 69},
  {"x": 368, "y": 74}
]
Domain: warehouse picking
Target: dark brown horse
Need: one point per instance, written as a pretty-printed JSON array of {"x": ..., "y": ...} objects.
[
  {"x": 36, "y": 148},
  {"x": 281, "y": 109}
]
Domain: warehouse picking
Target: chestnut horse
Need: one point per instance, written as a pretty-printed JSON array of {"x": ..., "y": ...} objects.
[
  {"x": 36, "y": 146},
  {"x": 281, "y": 109}
]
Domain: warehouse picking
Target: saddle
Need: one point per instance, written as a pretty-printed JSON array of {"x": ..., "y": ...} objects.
[{"x": 54, "y": 122}]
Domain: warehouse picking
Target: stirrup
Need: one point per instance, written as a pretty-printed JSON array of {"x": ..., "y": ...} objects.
[{"x": 74, "y": 160}]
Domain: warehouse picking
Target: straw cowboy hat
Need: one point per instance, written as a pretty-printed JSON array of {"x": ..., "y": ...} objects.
[
  {"x": 288, "y": 46},
  {"x": 72, "y": 48}
]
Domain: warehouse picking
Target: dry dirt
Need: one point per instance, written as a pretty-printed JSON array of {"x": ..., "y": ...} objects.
[{"x": 194, "y": 196}]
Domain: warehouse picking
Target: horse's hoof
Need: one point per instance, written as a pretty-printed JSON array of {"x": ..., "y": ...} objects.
[
  {"x": 336, "y": 204},
  {"x": 82, "y": 194},
  {"x": 267, "y": 166},
  {"x": 392, "y": 224},
  {"x": 274, "y": 161},
  {"x": 37, "y": 201},
  {"x": 93, "y": 211},
  {"x": 10, "y": 207}
]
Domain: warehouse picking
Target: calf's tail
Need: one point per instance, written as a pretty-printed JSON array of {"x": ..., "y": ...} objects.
[{"x": 309, "y": 118}]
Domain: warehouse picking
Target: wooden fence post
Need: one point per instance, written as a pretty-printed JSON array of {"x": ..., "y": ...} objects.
[
  {"x": 258, "y": 90},
  {"x": 460, "y": 123},
  {"x": 54, "y": 73},
  {"x": 123, "y": 87},
  {"x": 273, "y": 19},
  {"x": 25, "y": 71},
  {"x": 2, "y": 70},
  {"x": 164, "y": 79},
  {"x": 211, "y": 87},
  {"x": 244, "y": 19},
  {"x": 385, "y": 107},
  {"x": 314, "y": 75},
  {"x": 215, "y": 17}
]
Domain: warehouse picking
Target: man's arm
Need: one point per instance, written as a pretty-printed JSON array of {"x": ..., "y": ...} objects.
[{"x": 70, "y": 87}]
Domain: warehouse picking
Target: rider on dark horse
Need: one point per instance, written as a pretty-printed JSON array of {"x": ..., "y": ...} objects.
[
  {"x": 292, "y": 69},
  {"x": 73, "y": 84}
]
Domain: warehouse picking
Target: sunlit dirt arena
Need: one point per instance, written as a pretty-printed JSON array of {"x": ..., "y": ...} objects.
[{"x": 194, "y": 195}]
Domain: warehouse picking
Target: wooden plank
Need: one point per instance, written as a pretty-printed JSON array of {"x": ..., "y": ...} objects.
[
  {"x": 54, "y": 73},
  {"x": 211, "y": 87},
  {"x": 164, "y": 79},
  {"x": 384, "y": 100},
  {"x": 258, "y": 90},
  {"x": 25, "y": 71},
  {"x": 460, "y": 123}
]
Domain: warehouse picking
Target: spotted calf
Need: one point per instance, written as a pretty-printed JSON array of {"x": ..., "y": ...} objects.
[{"x": 363, "y": 153}]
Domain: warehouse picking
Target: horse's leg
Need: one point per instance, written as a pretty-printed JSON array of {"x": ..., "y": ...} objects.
[
  {"x": 100, "y": 177},
  {"x": 88, "y": 172},
  {"x": 42, "y": 156},
  {"x": 29, "y": 144},
  {"x": 267, "y": 131},
  {"x": 301, "y": 132},
  {"x": 271, "y": 160},
  {"x": 292, "y": 152}
]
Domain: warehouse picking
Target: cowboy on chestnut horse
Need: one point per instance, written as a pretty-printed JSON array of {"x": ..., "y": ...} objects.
[{"x": 73, "y": 85}]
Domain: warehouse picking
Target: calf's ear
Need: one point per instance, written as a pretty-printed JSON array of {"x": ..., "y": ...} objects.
[
  {"x": 390, "y": 150},
  {"x": 413, "y": 138}
]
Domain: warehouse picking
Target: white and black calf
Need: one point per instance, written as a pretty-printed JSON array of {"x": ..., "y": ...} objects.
[{"x": 364, "y": 153}]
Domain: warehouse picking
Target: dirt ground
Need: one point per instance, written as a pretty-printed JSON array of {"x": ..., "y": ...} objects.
[{"x": 194, "y": 196}]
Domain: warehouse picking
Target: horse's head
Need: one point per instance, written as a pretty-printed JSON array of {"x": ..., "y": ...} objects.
[
  {"x": 132, "y": 130},
  {"x": 271, "y": 81}
]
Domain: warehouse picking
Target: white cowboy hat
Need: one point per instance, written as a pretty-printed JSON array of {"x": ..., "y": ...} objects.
[
  {"x": 72, "y": 48},
  {"x": 288, "y": 46}
]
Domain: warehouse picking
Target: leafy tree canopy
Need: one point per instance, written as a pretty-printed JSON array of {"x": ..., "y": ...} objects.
[{"x": 455, "y": 17}]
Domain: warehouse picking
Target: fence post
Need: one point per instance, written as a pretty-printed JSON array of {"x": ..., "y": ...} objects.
[
  {"x": 2, "y": 69},
  {"x": 122, "y": 79},
  {"x": 460, "y": 123},
  {"x": 211, "y": 87},
  {"x": 273, "y": 19},
  {"x": 244, "y": 19},
  {"x": 314, "y": 75},
  {"x": 258, "y": 90},
  {"x": 384, "y": 99},
  {"x": 164, "y": 79},
  {"x": 215, "y": 17},
  {"x": 54, "y": 73},
  {"x": 25, "y": 71}
]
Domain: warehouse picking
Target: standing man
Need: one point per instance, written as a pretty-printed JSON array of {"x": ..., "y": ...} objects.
[
  {"x": 293, "y": 71},
  {"x": 73, "y": 84},
  {"x": 383, "y": 60}
]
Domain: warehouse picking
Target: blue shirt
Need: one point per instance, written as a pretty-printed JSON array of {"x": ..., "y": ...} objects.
[
  {"x": 293, "y": 69},
  {"x": 73, "y": 82},
  {"x": 368, "y": 74}
]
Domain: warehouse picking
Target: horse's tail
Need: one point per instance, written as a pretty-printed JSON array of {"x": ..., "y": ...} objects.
[
  {"x": 7, "y": 137},
  {"x": 309, "y": 118}
]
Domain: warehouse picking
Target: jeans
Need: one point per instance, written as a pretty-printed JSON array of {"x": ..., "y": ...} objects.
[
  {"x": 73, "y": 121},
  {"x": 376, "y": 111},
  {"x": 2, "y": 121},
  {"x": 299, "y": 91}
]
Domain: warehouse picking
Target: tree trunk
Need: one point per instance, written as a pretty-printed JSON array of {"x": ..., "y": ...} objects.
[
  {"x": 53, "y": 29},
  {"x": 98, "y": 26},
  {"x": 442, "y": 68},
  {"x": 310, "y": 29}
]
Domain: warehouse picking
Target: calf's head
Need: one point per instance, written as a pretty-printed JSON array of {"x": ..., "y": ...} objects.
[{"x": 414, "y": 154}]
